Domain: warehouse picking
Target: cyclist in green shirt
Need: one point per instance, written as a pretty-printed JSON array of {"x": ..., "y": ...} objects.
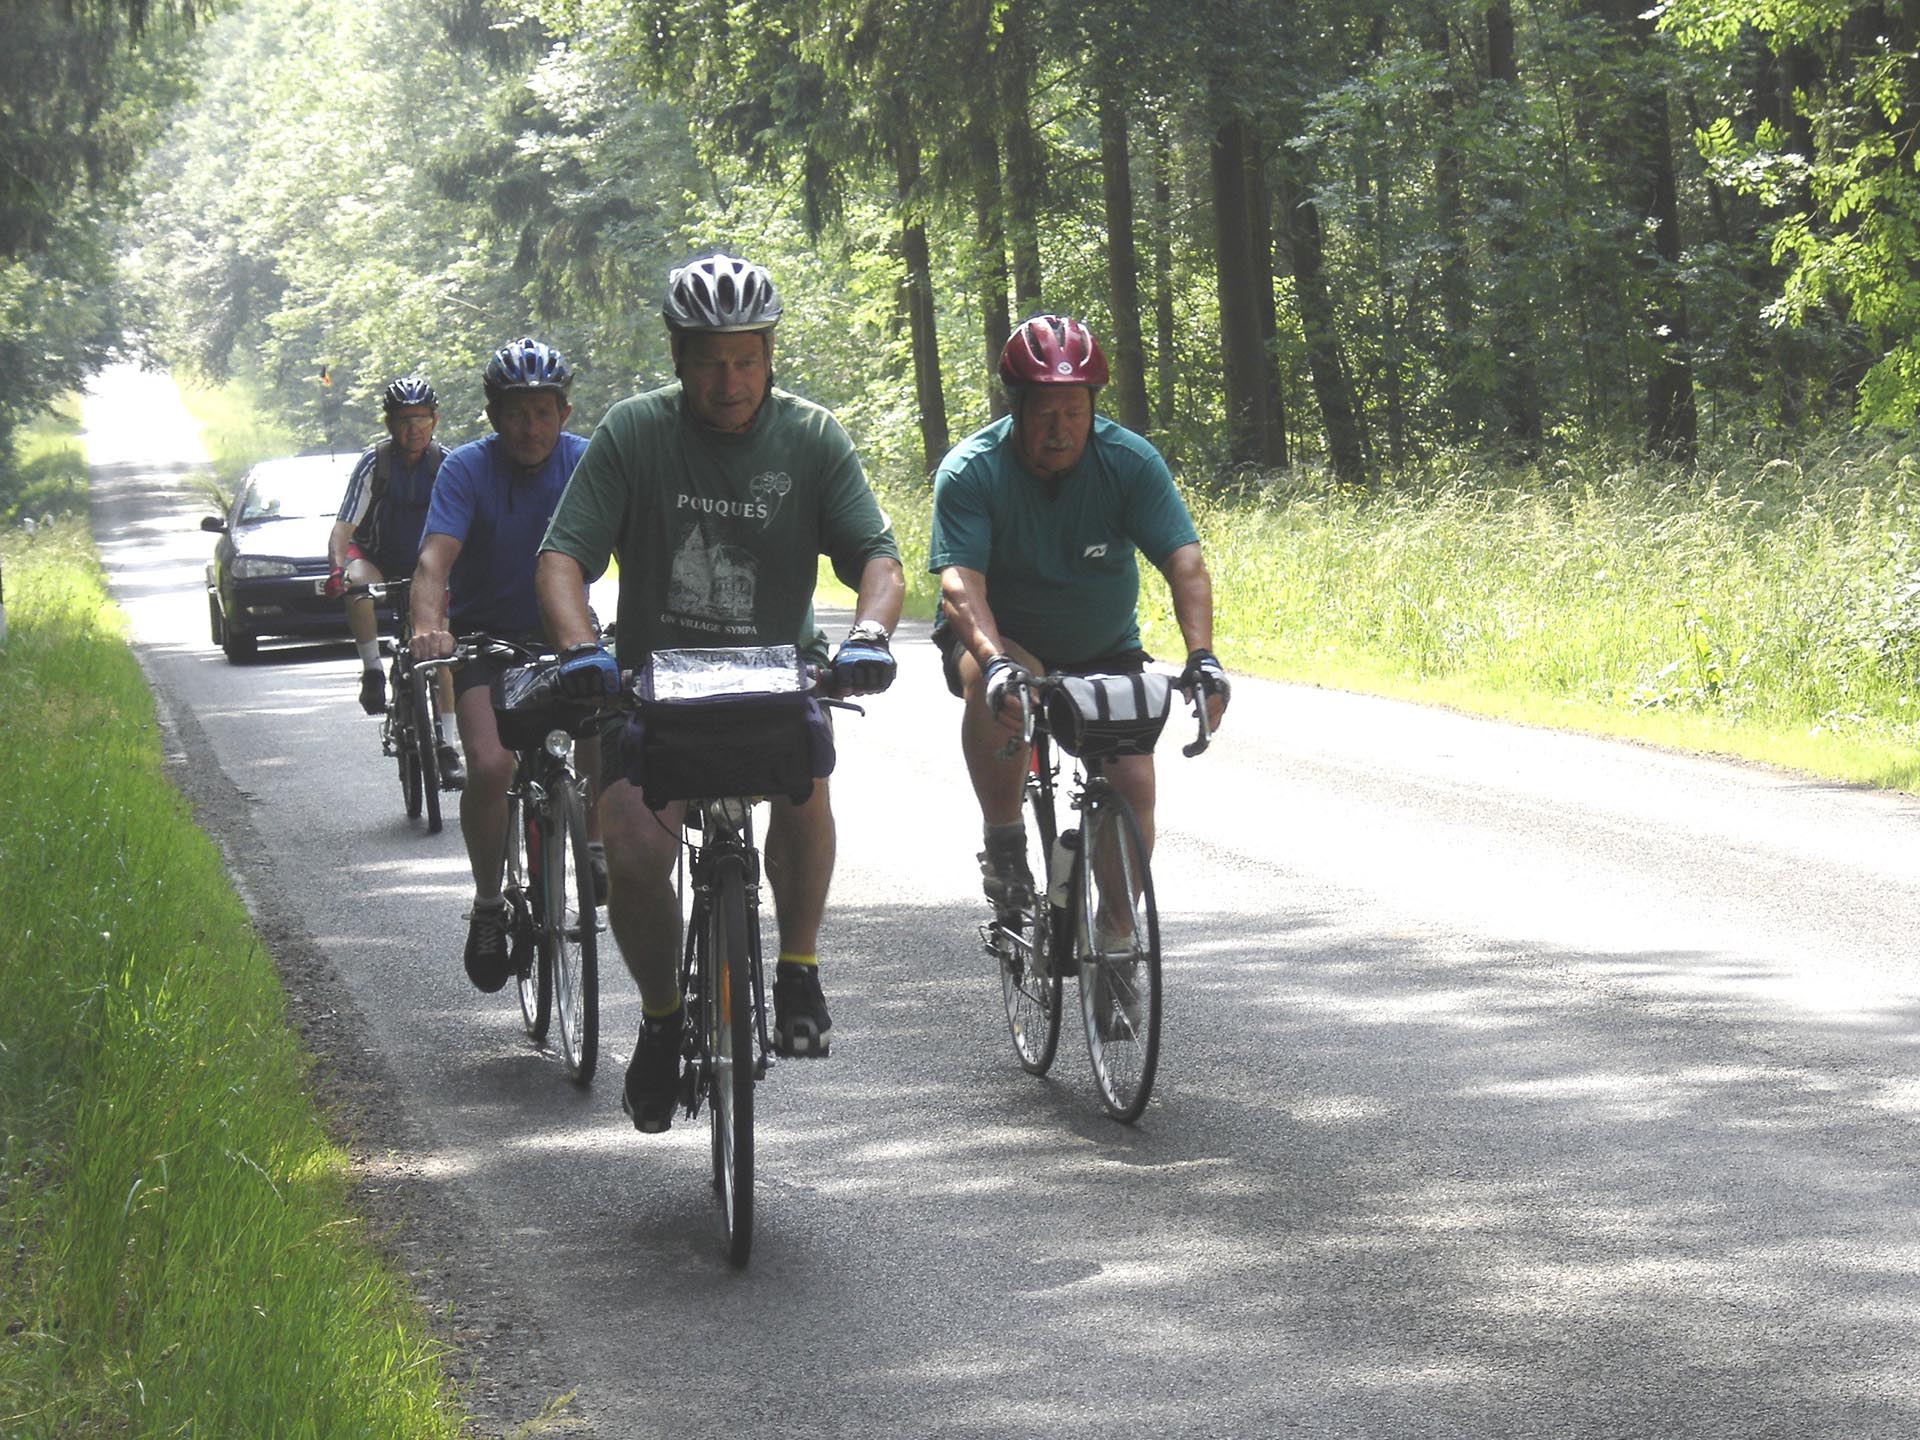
[
  {"x": 718, "y": 493},
  {"x": 1043, "y": 511}
]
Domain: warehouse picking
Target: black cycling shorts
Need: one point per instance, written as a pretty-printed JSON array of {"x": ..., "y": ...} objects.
[{"x": 1120, "y": 662}]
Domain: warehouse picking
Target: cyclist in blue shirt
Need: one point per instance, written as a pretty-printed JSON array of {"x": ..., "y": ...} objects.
[
  {"x": 377, "y": 535},
  {"x": 490, "y": 508}
]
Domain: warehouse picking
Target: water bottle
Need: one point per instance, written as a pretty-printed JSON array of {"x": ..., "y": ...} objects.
[{"x": 1060, "y": 868}]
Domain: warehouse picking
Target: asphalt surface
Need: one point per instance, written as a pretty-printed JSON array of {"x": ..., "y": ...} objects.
[{"x": 1513, "y": 1084}]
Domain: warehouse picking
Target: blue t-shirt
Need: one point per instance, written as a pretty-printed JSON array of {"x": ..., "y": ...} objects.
[
  {"x": 498, "y": 512},
  {"x": 1058, "y": 560}
]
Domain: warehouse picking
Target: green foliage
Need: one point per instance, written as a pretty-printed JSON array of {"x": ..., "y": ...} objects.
[
  {"x": 1850, "y": 203},
  {"x": 181, "y": 1257}
]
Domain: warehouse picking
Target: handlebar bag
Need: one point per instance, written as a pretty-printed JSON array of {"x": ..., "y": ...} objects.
[
  {"x": 1097, "y": 716},
  {"x": 527, "y": 706},
  {"x": 727, "y": 721}
]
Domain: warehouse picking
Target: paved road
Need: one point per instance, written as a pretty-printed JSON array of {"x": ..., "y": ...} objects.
[{"x": 1515, "y": 1084}]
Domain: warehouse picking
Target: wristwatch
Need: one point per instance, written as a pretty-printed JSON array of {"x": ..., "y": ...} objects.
[{"x": 869, "y": 630}]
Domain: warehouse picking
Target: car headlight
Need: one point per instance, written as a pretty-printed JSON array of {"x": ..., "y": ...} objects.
[{"x": 246, "y": 567}]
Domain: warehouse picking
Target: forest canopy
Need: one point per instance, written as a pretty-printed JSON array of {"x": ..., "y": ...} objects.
[{"x": 1327, "y": 234}]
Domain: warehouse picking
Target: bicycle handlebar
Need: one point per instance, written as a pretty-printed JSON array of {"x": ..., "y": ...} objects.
[{"x": 1027, "y": 689}]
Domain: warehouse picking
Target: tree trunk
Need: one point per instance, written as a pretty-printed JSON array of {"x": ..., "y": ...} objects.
[
  {"x": 1235, "y": 282},
  {"x": 1512, "y": 302},
  {"x": 1672, "y": 421},
  {"x": 917, "y": 294},
  {"x": 1164, "y": 341},
  {"x": 1332, "y": 389},
  {"x": 1273, "y": 434},
  {"x": 1123, "y": 267},
  {"x": 1024, "y": 166},
  {"x": 990, "y": 241}
]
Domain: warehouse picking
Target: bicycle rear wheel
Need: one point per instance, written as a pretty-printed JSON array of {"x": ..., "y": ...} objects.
[
  {"x": 728, "y": 1014},
  {"x": 1022, "y": 939},
  {"x": 426, "y": 735},
  {"x": 569, "y": 936},
  {"x": 523, "y": 892},
  {"x": 1117, "y": 938}
]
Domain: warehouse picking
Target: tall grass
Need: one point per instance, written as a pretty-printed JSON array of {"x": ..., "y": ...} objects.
[
  {"x": 237, "y": 428},
  {"x": 1763, "y": 608},
  {"x": 178, "y": 1253},
  {"x": 43, "y": 472}
]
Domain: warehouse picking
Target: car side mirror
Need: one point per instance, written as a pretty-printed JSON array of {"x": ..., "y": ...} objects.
[{"x": 214, "y": 523}]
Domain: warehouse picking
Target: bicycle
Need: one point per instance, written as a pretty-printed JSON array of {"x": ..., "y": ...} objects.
[
  {"x": 410, "y": 731},
  {"x": 735, "y": 719},
  {"x": 1096, "y": 918},
  {"x": 547, "y": 878}
]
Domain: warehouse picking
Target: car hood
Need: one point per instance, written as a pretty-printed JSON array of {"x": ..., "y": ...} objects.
[{"x": 301, "y": 538}]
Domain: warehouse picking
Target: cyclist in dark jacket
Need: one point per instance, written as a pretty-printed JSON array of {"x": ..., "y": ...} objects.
[{"x": 377, "y": 535}]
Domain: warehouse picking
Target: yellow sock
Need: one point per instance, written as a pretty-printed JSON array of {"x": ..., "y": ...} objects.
[
  {"x": 653, "y": 1014},
  {"x": 788, "y": 958}
]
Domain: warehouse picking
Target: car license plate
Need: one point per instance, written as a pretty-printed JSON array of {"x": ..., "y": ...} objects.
[{"x": 320, "y": 585}]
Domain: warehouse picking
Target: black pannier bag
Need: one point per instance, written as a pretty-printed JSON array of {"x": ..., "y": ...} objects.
[
  {"x": 1097, "y": 716},
  {"x": 527, "y": 706},
  {"x": 727, "y": 721}
]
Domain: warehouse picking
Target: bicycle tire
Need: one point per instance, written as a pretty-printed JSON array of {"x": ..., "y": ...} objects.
[
  {"x": 403, "y": 752},
  {"x": 570, "y": 937},
  {"x": 1022, "y": 942},
  {"x": 1119, "y": 962},
  {"x": 425, "y": 738},
  {"x": 728, "y": 1015},
  {"x": 535, "y": 979}
]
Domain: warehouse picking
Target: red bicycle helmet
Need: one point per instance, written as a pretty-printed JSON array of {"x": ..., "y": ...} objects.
[{"x": 1052, "y": 350}]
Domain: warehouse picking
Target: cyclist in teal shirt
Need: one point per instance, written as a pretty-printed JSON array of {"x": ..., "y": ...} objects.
[{"x": 1037, "y": 520}]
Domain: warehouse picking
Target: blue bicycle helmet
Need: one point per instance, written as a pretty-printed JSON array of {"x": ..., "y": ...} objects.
[
  {"x": 527, "y": 364},
  {"x": 412, "y": 390}
]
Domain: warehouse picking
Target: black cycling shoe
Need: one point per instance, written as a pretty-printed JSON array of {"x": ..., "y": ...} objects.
[
  {"x": 801, "y": 1024},
  {"x": 652, "y": 1087},
  {"x": 1004, "y": 876},
  {"x": 488, "y": 959},
  {"x": 373, "y": 692},
  {"x": 453, "y": 774}
]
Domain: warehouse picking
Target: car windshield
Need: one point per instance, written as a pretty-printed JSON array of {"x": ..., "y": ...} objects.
[{"x": 293, "y": 492}]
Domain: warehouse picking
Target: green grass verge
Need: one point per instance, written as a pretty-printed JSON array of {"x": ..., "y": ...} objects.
[
  {"x": 180, "y": 1257},
  {"x": 45, "y": 473}
]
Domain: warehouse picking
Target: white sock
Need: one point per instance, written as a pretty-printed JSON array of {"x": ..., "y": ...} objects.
[{"x": 369, "y": 653}]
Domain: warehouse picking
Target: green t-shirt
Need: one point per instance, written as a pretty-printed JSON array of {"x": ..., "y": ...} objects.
[
  {"x": 1061, "y": 574},
  {"x": 719, "y": 535}
]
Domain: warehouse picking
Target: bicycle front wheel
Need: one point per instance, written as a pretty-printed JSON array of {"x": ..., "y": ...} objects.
[
  {"x": 1022, "y": 939},
  {"x": 728, "y": 1015},
  {"x": 528, "y": 903},
  {"x": 402, "y": 748},
  {"x": 570, "y": 936},
  {"x": 1117, "y": 939},
  {"x": 426, "y": 736}
]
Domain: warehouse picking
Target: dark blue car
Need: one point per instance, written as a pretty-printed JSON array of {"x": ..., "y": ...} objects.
[{"x": 270, "y": 565}]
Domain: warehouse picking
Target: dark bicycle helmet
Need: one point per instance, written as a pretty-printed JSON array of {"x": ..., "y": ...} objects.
[
  {"x": 410, "y": 390},
  {"x": 720, "y": 295},
  {"x": 1052, "y": 350},
  {"x": 527, "y": 364}
]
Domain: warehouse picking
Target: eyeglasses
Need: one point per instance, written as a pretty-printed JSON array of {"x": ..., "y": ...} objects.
[{"x": 412, "y": 422}]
